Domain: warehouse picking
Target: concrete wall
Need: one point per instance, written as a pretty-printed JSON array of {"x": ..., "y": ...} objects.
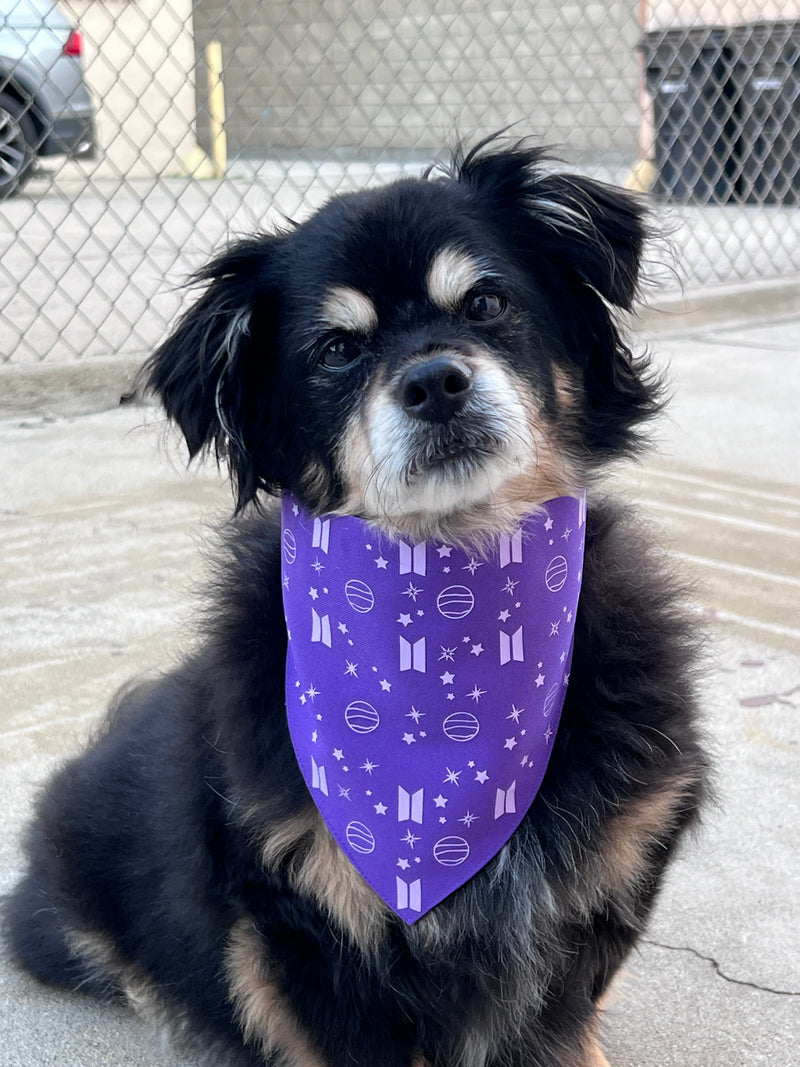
[
  {"x": 140, "y": 61},
  {"x": 411, "y": 73},
  {"x": 667, "y": 14}
]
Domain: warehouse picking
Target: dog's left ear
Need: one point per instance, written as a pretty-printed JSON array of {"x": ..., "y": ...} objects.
[
  {"x": 215, "y": 372},
  {"x": 593, "y": 231},
  {"x": 583, "y": 240}
]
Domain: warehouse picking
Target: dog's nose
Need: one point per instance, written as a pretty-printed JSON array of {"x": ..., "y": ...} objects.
[{"x": 435, "y": 389}]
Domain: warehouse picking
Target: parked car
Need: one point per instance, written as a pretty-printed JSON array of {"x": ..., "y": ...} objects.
[{"x": 45, "y": 107}]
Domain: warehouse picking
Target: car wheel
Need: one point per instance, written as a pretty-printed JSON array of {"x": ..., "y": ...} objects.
[{"x": 17, "y": 141}]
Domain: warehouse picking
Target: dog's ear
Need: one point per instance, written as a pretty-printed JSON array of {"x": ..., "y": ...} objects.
[
  {"x": 583, "y": 240},
  {"x": 214, "y": 372},
  {"x": 591, "y": 230}
]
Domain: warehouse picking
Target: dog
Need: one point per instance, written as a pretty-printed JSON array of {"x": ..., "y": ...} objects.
[{"x": 435, "y": 360}]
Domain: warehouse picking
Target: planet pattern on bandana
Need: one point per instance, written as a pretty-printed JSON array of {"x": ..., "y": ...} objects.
[{"x": 424, "y": 686}]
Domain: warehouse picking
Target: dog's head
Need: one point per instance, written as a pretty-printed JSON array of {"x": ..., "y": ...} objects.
[{"x": 437, "y": 356}]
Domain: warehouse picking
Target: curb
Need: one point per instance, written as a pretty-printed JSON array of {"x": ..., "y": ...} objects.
[
  {"x": 65, "y": 388},
  {"x": 98, "y": 384},
  {"x": 728, "y": 305}
]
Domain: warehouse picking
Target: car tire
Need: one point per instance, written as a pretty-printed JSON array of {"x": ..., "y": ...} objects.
[{"x": 17, "y": 145}]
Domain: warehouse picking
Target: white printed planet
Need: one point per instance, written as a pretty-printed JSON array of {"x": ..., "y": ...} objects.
[
  {"x": 450, "y": 851},
  {"x": 550, "y": 700},
  {"x": 555, "y": 576},
  {"x": 289, "y": 546},
  {"x": 455, "y": 602},
  {"x": 361, "y": 717},
  {"x": 461, "y": 726},
  {"x": 359, "y": 596},
  {"x": 360, "y": 838}
]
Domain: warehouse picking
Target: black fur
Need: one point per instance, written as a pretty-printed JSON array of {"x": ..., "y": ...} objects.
[{"x": 149, "y": 841}]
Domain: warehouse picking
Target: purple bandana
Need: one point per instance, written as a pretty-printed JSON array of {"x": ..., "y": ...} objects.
[{"x": 424, "y": 687}]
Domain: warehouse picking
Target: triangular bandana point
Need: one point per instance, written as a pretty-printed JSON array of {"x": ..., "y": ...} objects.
[{"x": 424, "y": 687}]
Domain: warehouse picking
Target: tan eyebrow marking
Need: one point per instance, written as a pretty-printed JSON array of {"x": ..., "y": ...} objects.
[
  {"x": 451, "y": 275},
  {"x": 345, "y": 308}
]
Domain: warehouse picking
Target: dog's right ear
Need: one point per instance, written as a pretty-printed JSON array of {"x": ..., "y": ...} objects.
[{"x": 209, "y": 377}]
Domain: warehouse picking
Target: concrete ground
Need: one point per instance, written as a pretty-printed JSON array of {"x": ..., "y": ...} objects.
[{"x": 102, "y": 537}]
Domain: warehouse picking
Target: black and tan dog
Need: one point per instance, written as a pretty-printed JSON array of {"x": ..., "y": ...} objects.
[{"x": 437, "y": 357}]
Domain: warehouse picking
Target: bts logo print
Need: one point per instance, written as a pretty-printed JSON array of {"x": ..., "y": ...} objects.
[{"x": 424, "y": 686}]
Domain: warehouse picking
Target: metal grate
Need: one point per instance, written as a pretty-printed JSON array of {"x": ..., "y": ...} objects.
[{"x": 697, "y": 100}]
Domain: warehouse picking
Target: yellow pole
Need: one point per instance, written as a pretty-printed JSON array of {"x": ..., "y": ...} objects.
[{"x": 216, "y": 108}]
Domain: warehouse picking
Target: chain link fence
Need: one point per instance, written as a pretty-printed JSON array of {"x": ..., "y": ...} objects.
[{"x": 137, "y": 136}]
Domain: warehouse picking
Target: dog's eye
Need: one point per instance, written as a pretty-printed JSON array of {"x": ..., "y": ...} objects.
[
  {"x": 339, "y": 352},
  {"x": 484, "y": 307}
]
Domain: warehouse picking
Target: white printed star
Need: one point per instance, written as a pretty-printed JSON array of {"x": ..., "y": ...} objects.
[
  {"x": 442, "y": 820},
  {"x": 482, "y": 777},
  {"x": 386, "y": 686},
  {"x": 380, "y": 809},
  {"x": 351, "y": 669},
  {"x": 447, "y": 678},
  {"x": 405, "y": 620},
  {"x": 472, "y": 566},
  {"x": 563, "y": 656},
  {"x": 440, "y": 801},
  {"x": 303, "y": 699},
  {"x": 381, "y": 563},
  {"x": 549, "y": 524},
  {"x": 510, "y": 586},
  {"x": 511, "y": 742},
  {"x": 444, "y": 550},
  {"x": 476, "y": 693},
  {"x": 286, "y": 582},
  {"x": 412, "y": 591},
  {"x": 504, "y": 616},
  {"x": 414, "y": 714},
  {"x": 539, "y": 679},
  {"x": 313, "y": 594},
  {"x": 451, "y": 696},
  {"x": 565, "y": 534},
  {"x": 338, "y": 754},
  {"x": 318, "y": 566},
  {"x": 410, "y": 839},
  {"x": 447, "y": 653},
  {"x": 548, "y": 734},
  {"x": 295, "y": 510},
  {"x": 471, "y": 764},
  {"x": 342, "y": 628},
  {"x": 468, "y": 819},
  {"x": 344, "y": 792},
  {"x": 409, "y": 739},
  {"x": 452, "y": 777},
  {"x": 554, "y": 628},
  {"x": 515, "y": 713},
  {"x": 368, "y": 766},
  {"x": 476, "y": 650},
  {"x": 311, "y": 692},
  {"x": 314, "y": 736},
  {"x": 403, "y": 864}
]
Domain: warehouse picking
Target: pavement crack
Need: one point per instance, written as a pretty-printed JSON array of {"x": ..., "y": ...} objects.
[{"x": 719, "y": 971}]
